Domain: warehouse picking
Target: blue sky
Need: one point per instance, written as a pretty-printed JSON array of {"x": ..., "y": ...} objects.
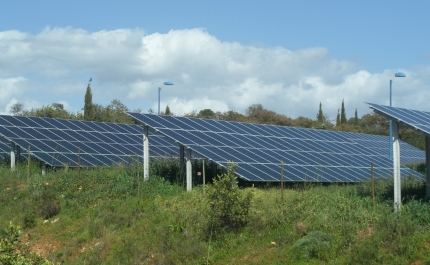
[{"x": 286, "y": 55}]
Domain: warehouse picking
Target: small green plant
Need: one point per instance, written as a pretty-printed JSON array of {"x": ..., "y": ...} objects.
[
  {"x": 316, "y": 244},
  {"x": 13, "y": 252},
  {"x": 229, "y": 205},
  {"x": 29, "y": 220}
]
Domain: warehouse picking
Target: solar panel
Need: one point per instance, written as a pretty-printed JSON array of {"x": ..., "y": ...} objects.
[
  {"x": 4, "y": 147},
  {"x": 378, "y": 144},
  {"x": 307, "y": 154},
  {"x": 56, "y": 141},
  {"x": 415, "y": 119}
]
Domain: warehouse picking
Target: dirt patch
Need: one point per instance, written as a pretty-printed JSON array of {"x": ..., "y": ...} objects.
[
  {"x": 43, "y": 246},
  {"x": 362, "y": 234}
]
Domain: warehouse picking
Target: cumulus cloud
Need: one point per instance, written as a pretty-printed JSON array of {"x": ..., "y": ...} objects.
[{"x": 127, "y": 64}]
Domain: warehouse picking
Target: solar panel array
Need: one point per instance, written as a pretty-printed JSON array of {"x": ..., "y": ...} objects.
[
  {"x": 418, "y": 120},
  {"x": 56, "y": 141},
  {"x": 307, "y": 154},
  {"x": 380, "y": 145}
]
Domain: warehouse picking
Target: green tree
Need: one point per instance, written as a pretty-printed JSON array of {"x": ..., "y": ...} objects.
[
  {"x": 374, "y": 124},
  {"x": 167, "y": 112},
  {"x": 320, "y": 115},
  {"x": 343, "y": 114},
  {"x": 258, "y": 114},
  {"x": 206, "y": 114},
  {"x": 191, "y": 114},
  {"x": 88, "y": 107},
  {"x": 338, "y": 118},
  {"x": 55, "y": 110},
  {"x": 230, "y": 206},
  {"x": 304, "y": 122},
  {"x": 231, "y": 115},
  {"x": 356, "y": 120},
  {"x": 16, "y": 109}
]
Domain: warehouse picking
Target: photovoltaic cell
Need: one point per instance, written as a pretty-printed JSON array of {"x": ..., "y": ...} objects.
[
  {"x": 307, "y": 154},
  {"x": 56, "y": 141}
]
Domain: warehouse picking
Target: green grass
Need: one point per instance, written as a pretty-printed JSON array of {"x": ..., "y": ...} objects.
[{"x": 110, "y": 216}]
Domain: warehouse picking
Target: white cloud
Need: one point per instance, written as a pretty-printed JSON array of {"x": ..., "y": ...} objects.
[{"x": 129, "y": 65}]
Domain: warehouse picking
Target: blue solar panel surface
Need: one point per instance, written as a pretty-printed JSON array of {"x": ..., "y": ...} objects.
[
  {"x": 56, "y": 141},
  {"x": 418, "y": 120},
  {"x": 4, "y": 147},
  {"x": 379, "y": 145},
  {"x": 307, "y": 154}
]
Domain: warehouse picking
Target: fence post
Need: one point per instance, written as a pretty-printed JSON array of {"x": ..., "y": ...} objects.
[
  {"x": 79, "y": 163},
  {"x": 282, "y": 181},
  {"x": 28, "y": 165},
  {"x": 373, "y": 183},
  {"x": 204, "y": 176}
]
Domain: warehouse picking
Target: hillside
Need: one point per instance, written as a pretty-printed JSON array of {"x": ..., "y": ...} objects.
[{"x": 109, "y": 216}]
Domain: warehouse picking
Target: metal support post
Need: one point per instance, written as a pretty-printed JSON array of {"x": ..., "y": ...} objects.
[
  {"x": 396, "y": 169},
  {"x": 391, "y": 128},
  {"x": 145, "y": 153}
]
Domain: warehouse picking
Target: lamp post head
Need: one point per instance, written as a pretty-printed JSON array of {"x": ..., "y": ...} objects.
[
  {"x": 400, "y": 74},
  {"x": 168, "y": 83}
]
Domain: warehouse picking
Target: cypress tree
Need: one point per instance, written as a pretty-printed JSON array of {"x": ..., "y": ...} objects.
[
  {"x": 338, "y": 118},
  {"x": 356, "y": 118},
  {"x": 343, "y": 114},
  {"x": 320, "y": 115},
  {"x": 88, "y": 107},
  {"x": 167, "y": 112}
]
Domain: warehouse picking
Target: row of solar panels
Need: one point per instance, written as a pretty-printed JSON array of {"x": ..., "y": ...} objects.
[
  {"x": 307, "y": 154},
  {"x": 57, "y": 142}
]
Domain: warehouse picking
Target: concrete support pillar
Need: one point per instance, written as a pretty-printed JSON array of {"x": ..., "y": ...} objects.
[
  {"x": 145, "y": 153},
  {"x": 12, "y": 156},
  {"x": 181, "y": 160},
  {"x": 396, "y": 169},
  {"x": 43, "y": 168},
  {"x": 189, "y": 171},
  {"x": 428, "y": 166}
]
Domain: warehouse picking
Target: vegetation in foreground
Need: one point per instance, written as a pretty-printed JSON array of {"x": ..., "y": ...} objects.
[{"x": 109, "y": 216}]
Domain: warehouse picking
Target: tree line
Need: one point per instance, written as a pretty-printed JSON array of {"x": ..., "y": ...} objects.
[{"x": 116, "y": 112}]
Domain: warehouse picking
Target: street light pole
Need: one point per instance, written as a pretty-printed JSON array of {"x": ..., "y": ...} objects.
[
  {"x": 159, "y": 91},
  {"x": 391, "y": 122}
]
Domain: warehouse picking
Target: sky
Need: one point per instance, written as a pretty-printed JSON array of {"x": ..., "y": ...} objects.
[{"x": 223, "y": 55}]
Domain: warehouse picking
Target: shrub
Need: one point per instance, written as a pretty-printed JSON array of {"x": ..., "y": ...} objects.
[
  {"x": 29, "y": 220},
  {"x": 13, "y": 252},
  {"x": 316, "y": 244},
  {"x": 50, "y": 209},
  {"x": 229, "y": 205}
]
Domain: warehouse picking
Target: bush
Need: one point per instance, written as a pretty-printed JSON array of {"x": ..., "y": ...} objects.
[
  {"x": 316, "y": 244},
  {"x": 13, "y": 252},
  {"x": 29, "y": 220},
  {"x": 229, "y": 205}
]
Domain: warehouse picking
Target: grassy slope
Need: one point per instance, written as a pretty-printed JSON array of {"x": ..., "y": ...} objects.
[{"x": 109, "y": 217}]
